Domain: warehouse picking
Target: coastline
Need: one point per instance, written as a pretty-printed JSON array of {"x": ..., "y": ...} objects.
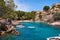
[
  {"x": 16, "y": 22},
  {"x": 8, "y": 28},
  {"x": 55, "y": 23}
]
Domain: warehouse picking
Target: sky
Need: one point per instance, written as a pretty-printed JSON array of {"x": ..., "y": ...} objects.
[{"x": 33, "y": 5}]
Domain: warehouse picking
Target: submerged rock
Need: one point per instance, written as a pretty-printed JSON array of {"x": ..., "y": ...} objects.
[
  {"x": 15, "y": 32},
  {"x": 7, "y": 29},
  {"x": 2, "y": 32}
]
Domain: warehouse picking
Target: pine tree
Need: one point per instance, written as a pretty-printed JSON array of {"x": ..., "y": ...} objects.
[
  {"x": 10, "y": 4},
  {"x": 2, "y": 7}
]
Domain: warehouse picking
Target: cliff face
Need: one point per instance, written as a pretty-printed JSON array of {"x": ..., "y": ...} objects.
[
  {"x": 56, "y": 7},
  {"x": 48, "y": 16},
  {"x": 37, "y": 16}
]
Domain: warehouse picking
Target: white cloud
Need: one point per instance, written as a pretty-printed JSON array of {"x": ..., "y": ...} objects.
[{"x": 23, "y": 7}]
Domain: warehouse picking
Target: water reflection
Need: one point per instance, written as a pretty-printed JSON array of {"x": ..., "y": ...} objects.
[{"x": 7, "y": 37}]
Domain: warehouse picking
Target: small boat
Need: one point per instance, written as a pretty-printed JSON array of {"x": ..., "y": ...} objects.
[
  {"x": 31, "y": 27},
  {"x": 20, "y": 26},
  {"x": 54, "y": 38}
]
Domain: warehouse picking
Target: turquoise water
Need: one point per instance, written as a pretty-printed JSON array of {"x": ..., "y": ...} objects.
[{"x": 33, "y": 31}]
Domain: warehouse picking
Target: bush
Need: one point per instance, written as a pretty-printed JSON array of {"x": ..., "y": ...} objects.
[
  {"x": 46, "y": 8},
  {"x": 40, "y": 16}
]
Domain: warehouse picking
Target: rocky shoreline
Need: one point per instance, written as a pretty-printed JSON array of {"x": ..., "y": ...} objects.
[
  {"x": 55, "y": 23},
  {"x": 6, "y": 27}
]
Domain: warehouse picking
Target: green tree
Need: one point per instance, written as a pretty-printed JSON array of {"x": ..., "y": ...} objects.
[
  {"x": 2, "y": 3},
  {"x": 46, "y": 8},
  {"x": 11, "y": 15},
  {"x": 2, "y": 7},
  {"x": 10, "y": 4},
  {"x": 9, "y": 9},
  {"x": 20, "y": 14},
  {"x": 33, "y": 15},
  {"x": 28, "y": 15},
  {"x": 40, "y": 16},
  {"x": 58, "y": 6}
]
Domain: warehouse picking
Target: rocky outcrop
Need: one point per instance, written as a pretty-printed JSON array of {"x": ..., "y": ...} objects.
[
  {"x": 5, "y": 27},
  {"x": 57, "y": 23}
]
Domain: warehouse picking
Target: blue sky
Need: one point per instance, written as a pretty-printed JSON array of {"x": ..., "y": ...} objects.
[{"x": 30, "y": 5}]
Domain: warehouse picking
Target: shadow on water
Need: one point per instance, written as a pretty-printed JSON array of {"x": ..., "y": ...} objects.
[{"x": 7, "y": 37}]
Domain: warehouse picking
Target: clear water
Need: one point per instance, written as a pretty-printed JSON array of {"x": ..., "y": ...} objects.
[{"x": 33, "y": 31}]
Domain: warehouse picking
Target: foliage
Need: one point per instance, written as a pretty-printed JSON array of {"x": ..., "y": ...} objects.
[
  {"x": 40, "y": 16},
  {"x": 11, "y": 15},
  {"x": 6, "y": 12},
  {"x": 33, "y": 15},
  {"x": 28, "y": 15},
  {"x": 20, "y": 14},
  {"x": 2, "y": 7},
  {"x": 10, "y": 4},
  {"x": 58, "y": 6},
  {"x": 46, "y": 8},
  {"x": 25, "y": 15},
  {"x": 2, "y": 3}
]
